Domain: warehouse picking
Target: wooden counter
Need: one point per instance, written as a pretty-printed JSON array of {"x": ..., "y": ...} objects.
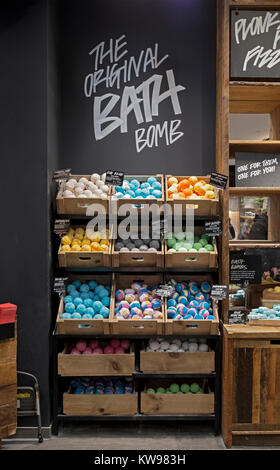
[
  {"x": 251, "y": 385},
  {"x": 8, "y": 387}
]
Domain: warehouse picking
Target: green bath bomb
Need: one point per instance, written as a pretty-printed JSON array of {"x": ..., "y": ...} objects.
[
  {"x": 189, "y": 236},
  {"x": 150, "y": 391},
  {"x": 188, "y": 246},
  {"x": 203, "y": 242},
  {"x": 196, "y": 239},
  {"x": 178, "y": 246},
  {"x": 174, "y": 388},
  {"x": 194, "y": 388},
  {"x": 180, "y": 236},
  {"x": 197, "y": 246},
  {"x": 209, "y": 247},
  {"x": 160, "y": 390},
  {"x": 202, "y": 249},
  {"x": 185, "y": 388},
  {"x": 171, "y": 243},
  {"x": 200, "y": 391},
  {"x": 205, "y": 237}
]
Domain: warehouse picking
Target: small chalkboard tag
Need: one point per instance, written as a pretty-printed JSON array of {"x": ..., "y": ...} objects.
[
  {"x": 159, "y": 229},
  {"x": 60, "y": 285},
  {"x": 213, "y": 228},
  {"x": 219, "y": 292},
  {"x": 237, "y": 316},
  {"x": 61, "y": 226},
  {"x": 59, "y": 175},
  {"x": 245, "y": 269},
  {"x": 114, "y": 178},
  {"x": 165, "y": 290},
  {"x": 218, "y": 180}
]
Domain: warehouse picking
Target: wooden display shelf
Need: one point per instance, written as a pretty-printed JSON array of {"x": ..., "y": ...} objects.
[
  {"x": 192, "y": 260},
  {"x": 256, "y": 191},
  {"x": 243, "y": 244},
  {"x": 177, "y": 363},
  {"x": 79, "y": 206},
  {"x": 254, "y": 97},
  {"x": 266, "y": 146},
  {"x": 130, "y": 326},
  {"x": 201, "y": 207},
  {"x": 100, "y": 404}
]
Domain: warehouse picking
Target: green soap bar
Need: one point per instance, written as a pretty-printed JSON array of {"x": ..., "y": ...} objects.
[
  {"x": 161, "y": 390},
  {"x": 174, "y": 388},
  {"x": 197, "y": 246},
  {"x": 150, "y": 391},
  {"x": 209, "y": 247},
  {"x": 194, "y": 387},
  {"x": 171, "y": 243},
  {"x": 203, "y": 242},
  {"x": 185, "y": 388}
]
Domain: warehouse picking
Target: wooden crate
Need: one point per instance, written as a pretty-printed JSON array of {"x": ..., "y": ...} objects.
[
  {"x": 177, "y": 403},
  {"x": 251, "y": 385},
  {"x": 100, "y": 404},
  {"x": 135, "y": 327},
  {"x": 201, "y": 206},
  {"x": 274, "y": 296},
  {"x": 189, "y": 260},
  {"x": 85, "y": 259},
  {"x": 85, "y": 327},
  {"x": 8, "y": 386},
  {"x": 78, "y": 206},
  {"x": 138, "y": 259},
  {"x": 139, "y": 204},
  {"x": 177, "y": 363},
  {"x": 192, "y": 327},
  {"x": 71, "y": 365}
]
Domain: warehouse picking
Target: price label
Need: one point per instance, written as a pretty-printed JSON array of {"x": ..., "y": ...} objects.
[
  {"x": 61, "y": 226},
  {"x": 213, "y": 228},
  {"x": 165, "y": 290},
  {"x": 59, "y": 175},
  {"x": 237, "y": 316},
  {"x": 219, "y": 292},
  {"x": 114, "y": 178},
  {"x": 218, "y": 180},
  {"x": 60, "y": 285}
]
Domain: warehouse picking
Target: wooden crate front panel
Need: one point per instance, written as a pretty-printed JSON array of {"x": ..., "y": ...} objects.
[
  {"x": 181, "y": 363},
  {"x": 256, "y": 385},
  {"x": 138, "y": 259},
  {"x": 100, "y": 404},
  {"x": 189, "y": 404}
]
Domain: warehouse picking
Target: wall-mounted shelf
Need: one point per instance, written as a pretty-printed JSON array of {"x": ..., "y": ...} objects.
[
  {"x": 244, "y": 191},
  {"x": 254, "y": 97},
  {"x": 268, "y": 146},
  {"x": 236, "y": 245}
]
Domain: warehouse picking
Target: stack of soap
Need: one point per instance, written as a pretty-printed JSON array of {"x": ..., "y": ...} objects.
[
  {"x": 102, "y": 386},
  {"x": 190, "y": 301},
  {"x": 139, "y": 302},
  {"x": 176, "y": 388},
  {"x": 147, "y": 244},
  {"x": 136, "y": 188},
  {"x": 264, "y": 313},
  {"x": 86, "y": 300},
  {"x": 177, "y": 345},
  {"x": 187, "y": 242},
  {"x": 115, "y": 346},
  {"x": 93, "y": 187}
]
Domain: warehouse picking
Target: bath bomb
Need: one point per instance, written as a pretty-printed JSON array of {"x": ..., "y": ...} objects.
[
  {"x": 87, "y": 351},
  {"x": 150, "y": 391},
  {"x": 203, "y": 348},
  {"x": 115, "y": 343},
  {"x": 75, "y": 351},
  {"x": 185, "y": 388},
  {"x": 81, "y": 345},
  {"x": 160, "y": 390},
  {"x": 125, "y": 343},
  {"x": 93, "y": 344},
  {"x": 174, "y": 388},
  {"x": 194, "y": 388},
  {"x": 97, "y": 351},
  {"x": 119, "y": 350},
  {"x": 109, "y": 350},
  {"x": 193, "y": 347}
]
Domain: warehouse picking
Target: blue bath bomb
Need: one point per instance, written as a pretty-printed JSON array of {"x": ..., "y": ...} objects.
[
  {"x": 69, "y": 307},
  {"x": 198, "y": 317},
  {"x": 68, "y": 298},
  {"x": 105, "y": 301},
  {"x": 76, "y": 283},
  {"x": 84, "y": 288},
  {"x": 98, "y": 288},
  {"x": 183, "y": 300},
  {"x": 104, "y": 311},
  {"x": 108, "y": 288},
  {"x": 187, "y": 317},
  {"x": 120, "y": 189},
  {"x": 151, "y": 180},
  {"x": 97, "y": 305},
  {"x": 145, "y": 192},
  {"x": 171, "y": 303},
  {"x": 65, "y": 315},
  {"x": 87, "y": 316},
  {"x": 157, "y": 193},
  {"x": 210, "y": 317},
  {"x": 88, "y": 302},
  {"x": 84, "y": 296},
  {"x": 135, "y": 182},
  {"x": 77, "y": 301},
  {"x": 92, "y": 285},
  {"x": 70, "y": 288},
  {"x": 103, "y": 293},
  {"x": 81, "y": 309},
  {"x": 89, "y": 311},
  {"x": 156, "y": 185},
  {"x": 98, "y": 317},
  {"x": 76, "y": 316}
]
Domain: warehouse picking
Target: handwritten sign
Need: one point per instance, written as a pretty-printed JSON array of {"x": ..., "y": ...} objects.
[
  {"x": 112, "y": 66},
  {"x": 59, "y": 285},
  {"x": 59, "y": 175},
  {"x": 257, "y": 169},
  {"x": 114, "y": 178},
  {"x": 255, "y": 44},
  {"x": 218, "y": 180},
  {"x": 245, "y": 269},
  {"x": 61, "y": 226},
  {"x": 213, "y": 228},
  {"x": 219, "y": 292}
]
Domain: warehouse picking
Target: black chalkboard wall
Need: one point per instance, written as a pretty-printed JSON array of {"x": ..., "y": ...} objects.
[
  {"x": 255, "y": 44},
  {"x": 185, "y": 32}
]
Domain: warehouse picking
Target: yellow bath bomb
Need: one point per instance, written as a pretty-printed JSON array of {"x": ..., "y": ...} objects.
[
  {"x": 210, "y": 195},
  {"x": 66, "y": 240},
  {"x": 172, "y": 180},
  {"x": 96, "y": 237},
  {"x": 85, "y": 248},
  {"x": 86, "y": 241},
  {"x": 104, "y": 247},
  {"x": 65, "y": 248},
  {"x": 80, "y": 230},
  {"x": 79, "y": 236},
  {"x": 104, "y": 242},
  {"x": 208, "y": 187},
  {"x": 95, "y": 246},
  {"x": 75, "y": 248},
  {"x": 76, "y": 241},
  {"x": 71, "y": 231}
]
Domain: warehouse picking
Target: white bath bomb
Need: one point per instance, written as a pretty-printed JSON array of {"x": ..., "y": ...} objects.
[
  {"x": 164, "y": 345},
  {"x": 177, "y": 341},
  {"x": 83, "y": 180},
  {"x": 154, "y": 345},
  {"x": 193, "y": 347},
  {"x": 185, "y": 345},
  {"x": 174, "y": 347},
  {"x": 91, "y": 185},
  {"x": 95, "y": 177},
  {"x": 82, "y": 195},
  {"x": 68, "y": 193},
  {"x": 103, "y": 177},
  {"x": 203, "y": 347},
  {"x": 80, "y": 185},
  {"x": 105, "y": 188},
  {"x": 202, "y": 340},
  {"x": 98, "y": 192},
  {"x": 78, "y": 190},
  {"x": 87, "y": 193}
]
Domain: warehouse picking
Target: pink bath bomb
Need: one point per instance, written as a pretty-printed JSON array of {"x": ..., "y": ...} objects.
[
  {"x": 119, "y": 350},
  {"x": 125, "y": 344},
  {"x": 93, "y": 344},
  {"x": 97, "y": 351},
  {"x": 81, "y": 345},
  {"x": 115, "y": 343},
  {"x": 87, "y": 351},
  {"x": 75, "y": 351},
  {"x": 109, "y": 350}
]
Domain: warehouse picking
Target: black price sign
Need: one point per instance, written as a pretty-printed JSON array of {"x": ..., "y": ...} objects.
[
  {"x": 245, "y": 269},
  {"x": 114, "y": 178},
  {"x": 219, "y": 292},
  {"x": 60, "y": 285},
  {"x": 59, "y": 175},
  {"x": 61, "y": 226},
  {"x": 218, "y": 180},
  {"x": 213, "y": 228},
  {"x": 237, "y": 316},
  {"x": 165, "y": 290}
]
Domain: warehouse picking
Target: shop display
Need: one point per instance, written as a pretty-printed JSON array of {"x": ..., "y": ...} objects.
[
  {"x": 88, "y": 386},
  {"x": 191, "y": 187},
  {"x": 139, "y": 188},
  {"x": 264, "y": 313},
  {"x": 177, "y": 345},
  {"x": 84, "y": 187},
  {"x": 81, "y": 239},
  {"x": 139, "y": 302},
  {"x": 85, "y": 301},
  {"x": 190, "y": 301},
  {"x": 188, "y": 242}
]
